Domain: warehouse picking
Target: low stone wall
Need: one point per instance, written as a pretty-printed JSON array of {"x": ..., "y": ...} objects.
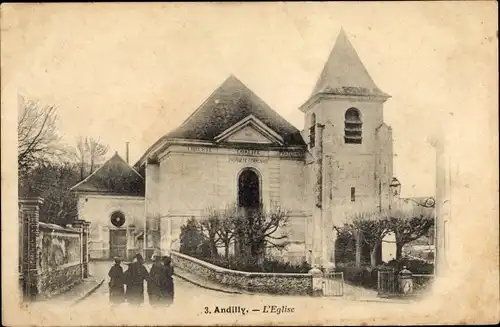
[
  {"x": 59, "y": 280},
  {"x": 274, "y": 283}
]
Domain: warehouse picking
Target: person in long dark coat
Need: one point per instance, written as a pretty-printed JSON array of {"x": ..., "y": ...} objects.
[
  {"x": 168, "y": 286},
  {"x": 156, "y": 281},
  {"x": 116, "y": 287},
  {"x": 135, "y": 276}
]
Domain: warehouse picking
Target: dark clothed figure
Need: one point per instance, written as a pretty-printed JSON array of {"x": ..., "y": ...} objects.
[
  {"x": 135, "y": 276},
  {"x": 116, "y": 287},
  {"x": 168, "y": 288},
  {"x": 156, "y": 282}
]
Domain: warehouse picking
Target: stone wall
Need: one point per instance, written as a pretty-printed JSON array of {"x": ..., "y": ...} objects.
[
  {"x": 58, "y": 280},
  {"x": 274, "y": 283},
  {"x": 52, "y": 258}
]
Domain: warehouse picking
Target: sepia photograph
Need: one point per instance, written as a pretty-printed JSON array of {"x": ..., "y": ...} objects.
[{"x": 240, "y": 163}]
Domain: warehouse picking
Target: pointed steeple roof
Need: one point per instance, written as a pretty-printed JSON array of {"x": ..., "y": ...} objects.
[
  {"x": 115, "y": 177},
  {"x": 231, "y": 102},
  {"x": 344, "y": 73}
]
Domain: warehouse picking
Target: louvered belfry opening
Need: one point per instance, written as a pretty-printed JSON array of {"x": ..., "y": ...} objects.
[{"x": 353, "y": 126}]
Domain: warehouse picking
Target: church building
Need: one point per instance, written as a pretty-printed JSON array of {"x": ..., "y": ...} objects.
[{"x": 234, "y": 143}]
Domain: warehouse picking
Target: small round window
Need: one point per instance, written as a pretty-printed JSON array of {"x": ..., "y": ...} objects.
[{"x": 117, "y": 219}]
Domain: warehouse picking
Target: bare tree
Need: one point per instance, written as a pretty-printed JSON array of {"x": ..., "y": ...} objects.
[
  {"x": 209, "y": 226},
  {"x": 409, "y": 225},
  {"x": 227, "y": 228},
  {"x": 258, "y": 230},
  {"x": 96, "y": 151},
  {"x": 52, "y": 181},
  {"x": 81, "y": 151},
  {"x": 90, "y": 152},
  {"x": 369, "y": 228},
  {"x": 36, "y": 134}
]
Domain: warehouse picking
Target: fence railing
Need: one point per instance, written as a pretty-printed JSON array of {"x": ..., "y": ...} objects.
[
  {"x": 388, "y": 283},
  {"x": 333, "y": 284}
]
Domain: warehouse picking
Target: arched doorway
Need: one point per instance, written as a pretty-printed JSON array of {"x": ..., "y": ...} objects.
[
  {"x": 248, "y": 189},
  {"x": 249, "y": 202}
]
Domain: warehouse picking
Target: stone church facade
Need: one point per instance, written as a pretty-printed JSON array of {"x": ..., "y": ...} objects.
[{"x": 339, "y": 164}]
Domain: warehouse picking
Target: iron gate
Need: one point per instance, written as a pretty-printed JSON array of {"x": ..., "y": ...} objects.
[
  {"x": 387, "y": 283},
  {"x": 333, "y": 284}
]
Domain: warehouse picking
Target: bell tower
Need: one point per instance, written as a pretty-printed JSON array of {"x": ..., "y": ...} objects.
[{"x": 350, "y": 144}]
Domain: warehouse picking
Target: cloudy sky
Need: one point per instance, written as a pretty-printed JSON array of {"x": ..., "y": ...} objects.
[{"x": 129, "y": 72}]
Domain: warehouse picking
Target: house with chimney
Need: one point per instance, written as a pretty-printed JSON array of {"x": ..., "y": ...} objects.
[{"x": 235, "y": 149}]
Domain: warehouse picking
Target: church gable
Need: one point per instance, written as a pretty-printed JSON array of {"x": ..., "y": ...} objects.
[
  {"x": 248, "y": 135},
  {"x": 250, "y": 130}
]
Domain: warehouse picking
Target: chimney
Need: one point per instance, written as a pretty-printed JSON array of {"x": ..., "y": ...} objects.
[{"x": 126, "y": 153}]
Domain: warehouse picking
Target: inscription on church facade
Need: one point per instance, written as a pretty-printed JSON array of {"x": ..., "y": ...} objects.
[
  {"x": 199, "y": 149},
  {"x": 248, "y": 160},
  {"x": 248, "y": 152},
  {"x": 290, "y": 154}
]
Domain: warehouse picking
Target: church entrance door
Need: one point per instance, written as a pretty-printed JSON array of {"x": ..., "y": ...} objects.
[{"x": 118, "y": 243}]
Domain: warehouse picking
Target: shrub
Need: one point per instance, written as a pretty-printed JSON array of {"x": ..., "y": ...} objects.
[
  {"x": 415, "y": 266},
  {"x": 368, "y": 277},
  {"x": 268, "y": 265}
]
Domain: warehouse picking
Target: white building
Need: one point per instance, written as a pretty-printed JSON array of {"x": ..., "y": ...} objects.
[{"x": 236, "y": 149}]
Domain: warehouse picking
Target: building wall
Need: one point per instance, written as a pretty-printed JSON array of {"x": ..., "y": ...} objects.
[
  {"x": 367, "y": 166},
  {"x": 97, "y": 209},
  {"x": 196, "y": 178}
]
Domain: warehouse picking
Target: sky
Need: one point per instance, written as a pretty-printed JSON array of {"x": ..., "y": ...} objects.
[{"x": 130, "y": 72}]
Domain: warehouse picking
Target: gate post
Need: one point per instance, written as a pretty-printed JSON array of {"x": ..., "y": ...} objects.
[
  {"x": 85, "y": 244},
  {"x": 317, "y": 281},
  {"x": 30, "y": 211},
  {"x": 79, "y": 225}
]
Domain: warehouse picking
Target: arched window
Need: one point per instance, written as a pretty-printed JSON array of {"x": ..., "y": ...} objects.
[
  {"x": 353, "y": 126},
  {"x": 312, "y": 131},
  {"x": 117, "y": 219}
]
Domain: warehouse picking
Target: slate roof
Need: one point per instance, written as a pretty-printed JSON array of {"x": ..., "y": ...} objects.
[
  {"x": 226, "y": 106},
  {"x": 344, "y": 73},
  {"x": 115, "y": 177}
]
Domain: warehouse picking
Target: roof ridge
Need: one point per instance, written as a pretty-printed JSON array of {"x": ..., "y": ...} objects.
[{"x": 344, "y": 69}]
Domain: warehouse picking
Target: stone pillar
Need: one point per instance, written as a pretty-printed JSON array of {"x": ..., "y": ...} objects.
[
  {"x": 317, "y": 243},
  {"x": 328, "y": 233},
  {"x": 105, "y": 242},
  {"x": 317, "y": 281},
  {"x": 131, "y": 248},
  {"x": 80, "y": 226},
  {"x": 30, "y": 210},
  {"x": 86, "y": 255}
]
